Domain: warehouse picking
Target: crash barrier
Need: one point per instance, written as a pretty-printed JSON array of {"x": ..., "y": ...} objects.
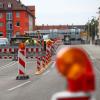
[
  {"x": 74, "y": 64},
  {"x": 12, "y": 52}
]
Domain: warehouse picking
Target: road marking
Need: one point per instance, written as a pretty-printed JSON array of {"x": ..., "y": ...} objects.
[
  {"x": 11, "y": 64},
  {"x": 97, "y": 70},
  {"x": 7, "y": 65},
  {"x": 46, "y": 72},
  {"x": 93, "y": 58},
  {"x": 18, "y": 86},
  {"x": 53, "y": 65},
  {"x": 49, "y": 70}
]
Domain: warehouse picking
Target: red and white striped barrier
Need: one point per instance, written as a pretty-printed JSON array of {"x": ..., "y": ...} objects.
[
  {"x": 9, "y": 51},
  {"x": 43, "y": 61},
  {"x": 48, "y": 54},
  {"x": 39, "y": 68},
  {"x": 36, "y": 50},
  {"x": 22, "y": 65},
  {"x": 38, "y": 63}
]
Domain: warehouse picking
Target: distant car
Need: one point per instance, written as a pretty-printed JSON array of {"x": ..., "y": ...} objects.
[
  {"x": 97, "y": 42},
  {"x": 66, "y": 40},
  {"x": 4, "y": 41}
]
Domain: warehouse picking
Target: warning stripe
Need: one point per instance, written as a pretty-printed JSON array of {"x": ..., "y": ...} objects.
[
  {"x": 21, "y": 72},
  {"x": 22, "y": 62},
  {"x": 22, "y": 56}
]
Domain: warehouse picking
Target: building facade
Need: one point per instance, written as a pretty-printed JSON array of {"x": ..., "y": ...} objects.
[{"x": 15, "y": 18}]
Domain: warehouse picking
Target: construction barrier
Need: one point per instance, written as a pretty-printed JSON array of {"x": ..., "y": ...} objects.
[
  {"x": 22, "y": 65},
  {"x": 12, "y": 53},
  {"x": 44, "y": 60}
]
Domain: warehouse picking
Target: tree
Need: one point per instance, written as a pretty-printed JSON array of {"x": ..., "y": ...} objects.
[{"x": 91, "y": 28}]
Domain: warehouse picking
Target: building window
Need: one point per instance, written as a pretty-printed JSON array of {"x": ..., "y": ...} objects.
[
  {"x": 9, "y": 16},
  {"x": 1, "y": 5},
  {"x": 26, "y": 15},
  {"x": 1, "y": 33},
  {"x": 17, "y": 33},
  {"x": 1, "y": 24},
  {"x": 1, "y": 15},
  {"x": 17, "y": 23},
  {"x": 9, "y": 26},
  {"x": 9, "y": 5},
  {"x": 17, "y": 14}
]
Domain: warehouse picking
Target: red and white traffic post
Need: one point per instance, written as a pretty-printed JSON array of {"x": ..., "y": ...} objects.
[
  {"x": 22, "y": 63},
  {"x": 74, "y": 64}
]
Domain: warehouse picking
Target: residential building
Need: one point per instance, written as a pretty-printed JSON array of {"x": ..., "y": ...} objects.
[{"x": 15, "y": 18}]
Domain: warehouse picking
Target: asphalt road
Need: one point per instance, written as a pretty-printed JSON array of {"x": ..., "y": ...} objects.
[{"x": 40, "y": 87}]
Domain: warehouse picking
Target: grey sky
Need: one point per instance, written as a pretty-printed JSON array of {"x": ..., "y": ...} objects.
[{"x": 64, "y": 11}]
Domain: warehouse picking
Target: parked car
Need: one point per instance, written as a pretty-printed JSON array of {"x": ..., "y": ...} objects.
[
  {"x": 4, "y": 42},
  {"x": 97, "y": 42}
]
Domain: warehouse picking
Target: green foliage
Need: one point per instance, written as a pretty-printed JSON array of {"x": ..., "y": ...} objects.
[{"x": 92, "y": 28}]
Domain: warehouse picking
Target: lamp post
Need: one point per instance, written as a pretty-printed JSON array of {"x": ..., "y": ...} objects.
[{"x": 88, "y": 30}]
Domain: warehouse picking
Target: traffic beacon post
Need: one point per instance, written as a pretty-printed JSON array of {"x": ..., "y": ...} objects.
[
  {"x": 74, "y": 64},
  {"x": 22, "y": 63}
]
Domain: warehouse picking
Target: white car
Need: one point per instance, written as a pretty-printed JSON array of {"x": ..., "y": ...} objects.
[{"x": 4, "y": 41}]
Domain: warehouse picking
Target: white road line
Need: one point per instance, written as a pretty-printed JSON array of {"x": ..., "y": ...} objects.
[
  {"x": 46, "y": 72},
  {"x": 49, "y": 70},
  {"x": 18, "y": 86},
  {"x": 97, "y": 70},
  {"x": 8, "y": 65},
  {"x": 11, "y": 64},
  {"x": 53, "y": 65},
  {"x": 93, "y": 58}
]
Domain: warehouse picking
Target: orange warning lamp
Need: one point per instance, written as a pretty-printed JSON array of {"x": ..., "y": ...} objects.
[
  {"x": 22, "y": 46},
  {"x": 74, "y": 64}
]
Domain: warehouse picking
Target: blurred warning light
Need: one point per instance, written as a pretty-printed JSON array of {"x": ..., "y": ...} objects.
[
  {"x": 74, "y": 64},
  {"x": 22, "y": 45}
]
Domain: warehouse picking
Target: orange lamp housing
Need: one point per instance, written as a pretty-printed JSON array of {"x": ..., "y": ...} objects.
[
  {"x": 22, "y": 46},
  {"x": 74, "y": 64}
]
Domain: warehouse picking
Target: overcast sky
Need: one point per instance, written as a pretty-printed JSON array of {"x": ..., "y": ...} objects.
[{"x": 60, "y": 12}]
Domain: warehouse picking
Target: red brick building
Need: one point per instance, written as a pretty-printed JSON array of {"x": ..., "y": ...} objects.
[{"x": 15, "y": 18}]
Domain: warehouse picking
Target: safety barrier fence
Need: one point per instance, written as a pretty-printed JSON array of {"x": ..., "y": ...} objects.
[
  {"x": 12, "y": 52},
  {"x": 42, "y": 56}
]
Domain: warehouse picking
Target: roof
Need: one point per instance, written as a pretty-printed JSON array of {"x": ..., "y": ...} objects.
[
  {"x": 16, "y": 5},
  {"x": 48, "y": 27},
  {"x": 32, "y": 9}
]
